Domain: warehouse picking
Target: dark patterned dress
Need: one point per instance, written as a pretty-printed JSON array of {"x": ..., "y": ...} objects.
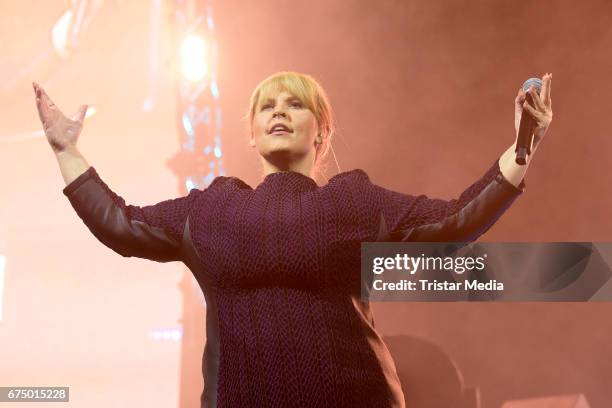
[{"x": 279, "y": 266}]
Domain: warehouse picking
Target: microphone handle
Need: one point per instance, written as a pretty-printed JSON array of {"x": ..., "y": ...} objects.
[{"x": 525, "y": 135}]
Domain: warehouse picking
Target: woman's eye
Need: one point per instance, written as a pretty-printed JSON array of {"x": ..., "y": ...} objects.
[
  {"x": 296, "y": 104},
  {"x": 268, "y": 106}
]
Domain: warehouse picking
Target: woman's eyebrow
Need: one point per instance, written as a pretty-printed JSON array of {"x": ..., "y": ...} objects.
[{"x": 289, "y": 98}]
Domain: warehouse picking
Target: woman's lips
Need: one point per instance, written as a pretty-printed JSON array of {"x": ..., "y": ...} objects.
[{"x": 280, "y": 132}]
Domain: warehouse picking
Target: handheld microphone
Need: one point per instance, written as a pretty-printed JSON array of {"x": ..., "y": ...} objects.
[{"x": 528, "y": 124}]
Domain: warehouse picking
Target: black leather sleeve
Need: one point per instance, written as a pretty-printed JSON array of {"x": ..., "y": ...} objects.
[
  {"x": 423, "y": 219},
  {"x": 152, "y": 232}
]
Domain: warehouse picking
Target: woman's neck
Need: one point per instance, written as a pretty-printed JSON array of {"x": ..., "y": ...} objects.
[{"x": 304, "y": 166}]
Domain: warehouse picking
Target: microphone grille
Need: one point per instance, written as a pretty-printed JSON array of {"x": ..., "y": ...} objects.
[{"x": 536, "y": 82}]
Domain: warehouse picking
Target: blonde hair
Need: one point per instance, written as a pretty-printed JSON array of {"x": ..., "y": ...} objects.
[{"x": 310, "y": 93}]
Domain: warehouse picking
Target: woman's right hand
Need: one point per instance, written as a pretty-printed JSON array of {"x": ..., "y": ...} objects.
[
  {"x": 541, "y": 111},
  {"x": 62, "y": 132}
]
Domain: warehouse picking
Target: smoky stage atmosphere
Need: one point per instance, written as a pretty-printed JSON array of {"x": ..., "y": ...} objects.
[{"x": 423, "y": 100}]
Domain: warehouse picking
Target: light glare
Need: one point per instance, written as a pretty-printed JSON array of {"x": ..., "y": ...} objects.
[{"x": 193, "y": 58}]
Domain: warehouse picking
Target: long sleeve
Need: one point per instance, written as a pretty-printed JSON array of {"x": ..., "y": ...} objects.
[
  {"x": 153, "y": 232},
  {"x": 422, "y": 219}
]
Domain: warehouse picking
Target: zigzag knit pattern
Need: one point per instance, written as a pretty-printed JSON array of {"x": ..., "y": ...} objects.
[{"x": 284, "y": 260}]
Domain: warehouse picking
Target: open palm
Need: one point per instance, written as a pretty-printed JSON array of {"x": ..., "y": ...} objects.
[{"x": 62, "y": 132}]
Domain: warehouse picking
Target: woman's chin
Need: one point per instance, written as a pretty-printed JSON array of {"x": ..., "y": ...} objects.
[{"x": 283, "y": 154}]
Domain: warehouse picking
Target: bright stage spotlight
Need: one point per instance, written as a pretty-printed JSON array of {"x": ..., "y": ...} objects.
[
  {"x": 59, "y": 34},
  {"x": 193, "y": 55}
]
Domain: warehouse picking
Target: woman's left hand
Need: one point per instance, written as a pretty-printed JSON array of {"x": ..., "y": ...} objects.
[{"x": 541, "y": 112}]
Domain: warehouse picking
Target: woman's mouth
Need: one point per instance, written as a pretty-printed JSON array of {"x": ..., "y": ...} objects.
[{"x": 280, "y": 128}]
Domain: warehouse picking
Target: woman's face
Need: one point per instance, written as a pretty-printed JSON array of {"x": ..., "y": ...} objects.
[{"x": 283, "y": 129}]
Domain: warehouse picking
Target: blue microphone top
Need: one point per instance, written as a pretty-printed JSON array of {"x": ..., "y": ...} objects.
[{"x": 536, "y": 82}]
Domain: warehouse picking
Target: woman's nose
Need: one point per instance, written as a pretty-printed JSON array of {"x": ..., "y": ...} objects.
[{"x": 279, "y": 113}]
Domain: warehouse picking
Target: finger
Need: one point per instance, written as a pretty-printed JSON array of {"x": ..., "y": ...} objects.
[
  {"x": 533, "y": 112},
  {"x": 520, "y": 98},
  {"x": 39, "y": 108},
  {"x": 50, "y": 111},
  {"x": 37, "y": 95},
  {"x": 547, "y": 99},
  {"x": 46, "y": 111},
  {"x": 79, "y": 116},
  {"x": 544, "y": 87},
  {"x": 43, "y": 112},
  {"x": 46, "y": 99},
  {"x": 535, "y": 99}
]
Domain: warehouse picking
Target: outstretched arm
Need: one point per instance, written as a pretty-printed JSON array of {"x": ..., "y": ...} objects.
[
  {"x": 423, "y": 219},
  {"x": 153, "y": 232},
  {"x": 480, "y": 205}
]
